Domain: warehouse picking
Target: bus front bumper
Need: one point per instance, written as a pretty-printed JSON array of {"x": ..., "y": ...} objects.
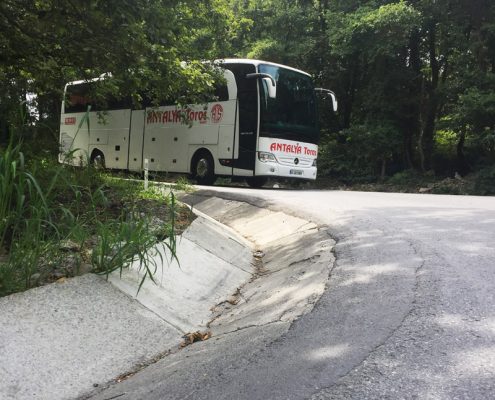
[{"x": 276, "y": 169}]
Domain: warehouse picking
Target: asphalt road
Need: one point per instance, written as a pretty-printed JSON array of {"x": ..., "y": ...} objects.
[{"x": 409, "y": 310}]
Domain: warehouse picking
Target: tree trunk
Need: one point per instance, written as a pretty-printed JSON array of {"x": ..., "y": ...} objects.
[
  {"x": 412, "y": 126},
  {"x": 463, "y": 166},
  {"x": 421, "y": 153},
  {"x": 428, "y": 131},
  {"x": 351, "y": 94},
  {"x": 383, "y": 169},
  {"x": 432, "y": 99},
  {"x": 408, "y": 148}
]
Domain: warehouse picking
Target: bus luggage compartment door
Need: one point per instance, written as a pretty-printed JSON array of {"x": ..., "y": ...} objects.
[
  {"x": 110, "y": 136},
  {"x": 136, "y": 134}
]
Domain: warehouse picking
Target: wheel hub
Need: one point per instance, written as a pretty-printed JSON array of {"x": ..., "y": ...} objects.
[{"x": 202, "y": 168}]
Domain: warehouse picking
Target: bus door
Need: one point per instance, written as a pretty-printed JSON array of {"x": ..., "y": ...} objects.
[
  {"x": 225, "y": 112},
  {"x": 247, "y": 93}
]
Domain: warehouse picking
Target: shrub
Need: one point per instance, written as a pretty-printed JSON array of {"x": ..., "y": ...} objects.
[{"x": 485, "y": 181}]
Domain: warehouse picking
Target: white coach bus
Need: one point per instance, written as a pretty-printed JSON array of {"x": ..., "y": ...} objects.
[{"x": 263, "y": 124}]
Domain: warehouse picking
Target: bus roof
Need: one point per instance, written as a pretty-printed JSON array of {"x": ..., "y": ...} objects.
[
  {"x": 256, "y": 63},
  {"x": 81, "y": 81},
  {"x": 223, "y": 60}
]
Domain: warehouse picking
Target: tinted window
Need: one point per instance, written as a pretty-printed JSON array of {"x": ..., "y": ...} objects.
[
  {"x": 79, "y": 97},
  {"x": 221, "y": 92}
]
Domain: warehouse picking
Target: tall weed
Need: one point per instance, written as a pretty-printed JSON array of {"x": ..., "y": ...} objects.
[
  {"x": 132, "y": 239},
  {"x": 24, "y": 221},
  {"x": 51, "y": 203}
]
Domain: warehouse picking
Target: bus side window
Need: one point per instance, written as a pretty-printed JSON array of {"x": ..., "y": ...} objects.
[
  {"x": 221, "y": 92},
  {"x": 80, "y": 96},
  {"x": 77, "y": 98}
]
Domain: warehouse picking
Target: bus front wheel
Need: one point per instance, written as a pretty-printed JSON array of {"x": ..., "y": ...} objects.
[
  {"x": 256, "y": 181},
  {"x": 204, "y": 169}
]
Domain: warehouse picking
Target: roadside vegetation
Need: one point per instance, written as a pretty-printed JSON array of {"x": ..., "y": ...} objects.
[
  {"x": 58, "y": 221},
  {"x": 479, "y": 183}
]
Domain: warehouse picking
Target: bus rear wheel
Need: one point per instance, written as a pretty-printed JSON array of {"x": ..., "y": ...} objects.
[
  {"x": 98, "y": 159},
  {"x": 256, "y": 181},
  {"x": 204, "y": 169}
]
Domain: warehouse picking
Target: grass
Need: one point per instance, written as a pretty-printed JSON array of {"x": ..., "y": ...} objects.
[
  {"x": 58, "y": 221},
  {"x": 182, "y": 184}
]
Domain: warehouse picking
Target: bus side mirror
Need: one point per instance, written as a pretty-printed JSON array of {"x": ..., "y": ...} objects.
[
  {"x": 332, "y": 96},
  {"x": 272, "y": 88},
  {"x": 335, "y": 105},
  {"x": 268, "y": 81}
]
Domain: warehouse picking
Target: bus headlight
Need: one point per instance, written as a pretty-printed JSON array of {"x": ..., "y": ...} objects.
[
  {"x": 314, "y": 162},
  {"x": 266, "y": 157}
]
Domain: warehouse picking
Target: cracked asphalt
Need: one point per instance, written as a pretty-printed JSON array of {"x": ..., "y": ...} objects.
[{"x": 408, "y": 311}]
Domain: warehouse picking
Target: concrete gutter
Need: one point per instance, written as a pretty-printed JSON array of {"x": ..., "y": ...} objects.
[
  {"x": 294, "y": 261},
  {"x": 64, "y": 340}
]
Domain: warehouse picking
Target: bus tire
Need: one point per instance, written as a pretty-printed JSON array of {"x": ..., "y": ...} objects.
[
  {"x": 97, "y": 159},
  {"x": 203, "y": 168},
  {"x": 256, "y": 181}
]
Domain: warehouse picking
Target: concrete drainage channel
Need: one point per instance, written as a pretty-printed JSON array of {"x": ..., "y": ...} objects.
[
  {"x": 292, "y": 262},
  {"x": 66, "y": 340}
]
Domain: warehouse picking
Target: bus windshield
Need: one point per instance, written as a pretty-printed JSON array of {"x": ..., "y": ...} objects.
[{"x": 292, "y": 114}]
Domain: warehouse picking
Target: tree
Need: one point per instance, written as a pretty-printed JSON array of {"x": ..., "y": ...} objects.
[
  {"x": 369, "y": 45},
  {"x": 45, "y": 43}
]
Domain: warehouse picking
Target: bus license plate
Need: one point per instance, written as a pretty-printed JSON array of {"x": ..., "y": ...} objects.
[{"x": 296, "y": 172}]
